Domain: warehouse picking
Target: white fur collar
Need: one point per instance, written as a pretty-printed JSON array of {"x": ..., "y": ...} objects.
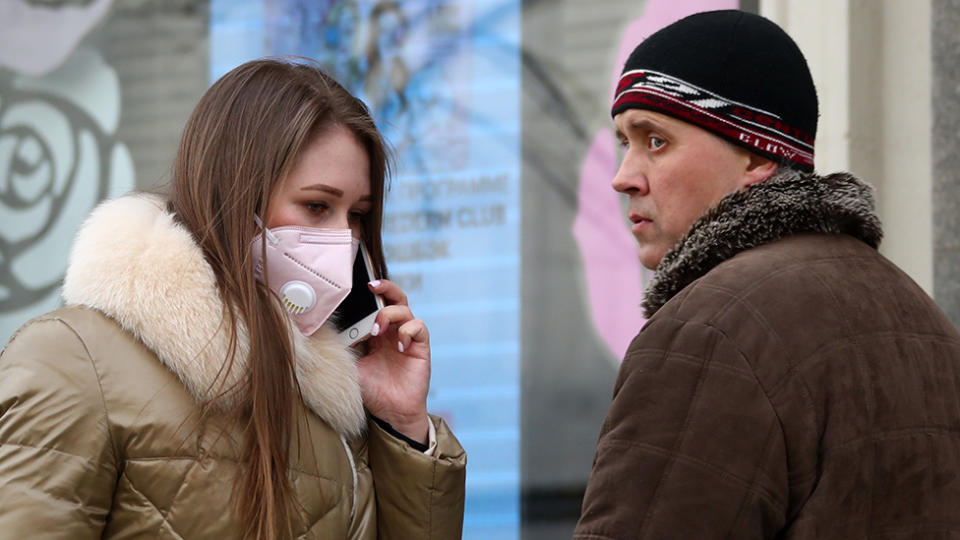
[{"x": 135, "y": 264}]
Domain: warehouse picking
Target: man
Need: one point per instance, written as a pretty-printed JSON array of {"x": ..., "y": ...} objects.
[{"x": 791, "y": 382}]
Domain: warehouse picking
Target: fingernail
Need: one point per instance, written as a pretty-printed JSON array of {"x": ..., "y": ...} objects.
[
  {"x": 375, "y": 330},
  {"x": 400, "y": 345},
  {"x": 375, "y": 283}
]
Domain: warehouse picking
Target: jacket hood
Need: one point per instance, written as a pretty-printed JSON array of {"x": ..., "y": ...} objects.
[
  {"x": 787, "y": 203},
  {"x": 133, "y": 262}
]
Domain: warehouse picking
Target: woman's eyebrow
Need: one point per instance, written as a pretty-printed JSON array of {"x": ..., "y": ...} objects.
[{"x": 325, "y": 188}]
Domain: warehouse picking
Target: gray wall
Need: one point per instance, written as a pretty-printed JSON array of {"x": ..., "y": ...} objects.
[
  {"x": 946, "y": 155},
  {"x": 567, "y": 375},
  {"x": 160, "y": 49}
]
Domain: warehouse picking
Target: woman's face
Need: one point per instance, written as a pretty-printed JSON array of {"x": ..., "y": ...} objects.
[{"x": 329, "y": 185}]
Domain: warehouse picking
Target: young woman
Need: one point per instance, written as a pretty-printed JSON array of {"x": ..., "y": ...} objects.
[{"x": 175, "y": 397}]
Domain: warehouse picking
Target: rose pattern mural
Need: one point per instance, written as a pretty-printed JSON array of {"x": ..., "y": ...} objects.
[{"x": 59, "y": 156}]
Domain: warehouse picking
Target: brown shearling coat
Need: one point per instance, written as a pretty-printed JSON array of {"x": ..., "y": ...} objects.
[{"x": 791, "y": 383}]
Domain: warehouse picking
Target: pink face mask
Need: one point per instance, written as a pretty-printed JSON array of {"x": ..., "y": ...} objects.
[{"x": 310, "y": 270}]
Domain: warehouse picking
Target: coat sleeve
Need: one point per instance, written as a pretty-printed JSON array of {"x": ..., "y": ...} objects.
[
  {"x": 418, "y": 496},
  {"x": 57, "y": 466},
  {"x": 691, "y": 446}
]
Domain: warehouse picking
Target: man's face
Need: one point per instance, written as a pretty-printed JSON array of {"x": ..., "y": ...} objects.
[{"x": 673, "y": 172}]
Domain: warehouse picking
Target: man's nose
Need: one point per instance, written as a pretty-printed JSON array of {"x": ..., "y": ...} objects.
[{"x": 630, "y": 178}]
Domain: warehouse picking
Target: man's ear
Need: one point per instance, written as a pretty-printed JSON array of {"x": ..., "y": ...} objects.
[{"x": 758, "y": 169}]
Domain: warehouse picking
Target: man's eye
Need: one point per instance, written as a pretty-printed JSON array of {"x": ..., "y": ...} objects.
[
  {"x": 656, "y": 143},
  {"x": 624, "y": 143}
]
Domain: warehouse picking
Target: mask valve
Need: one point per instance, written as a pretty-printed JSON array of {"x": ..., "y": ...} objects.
[{"x": 298, "y": 297}]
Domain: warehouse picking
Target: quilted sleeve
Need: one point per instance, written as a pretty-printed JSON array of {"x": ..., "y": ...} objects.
[
  {"x": 691, "y": 447},
  {"x": 418, "y": 496},
  {"x": 57, "y": 466}
]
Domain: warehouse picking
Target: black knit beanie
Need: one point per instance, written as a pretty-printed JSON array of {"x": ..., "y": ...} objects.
[{"x": 732, "y": 73}]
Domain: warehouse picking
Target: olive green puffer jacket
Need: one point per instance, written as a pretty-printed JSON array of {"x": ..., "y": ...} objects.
[{"x": 100, "y": 434}]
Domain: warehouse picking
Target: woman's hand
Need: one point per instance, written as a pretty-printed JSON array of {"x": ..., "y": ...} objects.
[{"x": 395, "y": 374}]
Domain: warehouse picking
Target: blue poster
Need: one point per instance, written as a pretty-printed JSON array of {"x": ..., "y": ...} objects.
[{"x": 442, "y": 79}]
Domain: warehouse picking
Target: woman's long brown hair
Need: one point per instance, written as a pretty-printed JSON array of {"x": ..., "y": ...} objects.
[{"x": 240, "y": 142}]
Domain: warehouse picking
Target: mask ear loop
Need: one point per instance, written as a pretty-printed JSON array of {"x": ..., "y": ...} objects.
[{"x": 270, "y": 236}]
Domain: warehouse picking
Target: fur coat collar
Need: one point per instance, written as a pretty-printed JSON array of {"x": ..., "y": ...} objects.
[
  {"x": 785, "y": 204},
  {"x": 132, "y": 261}
]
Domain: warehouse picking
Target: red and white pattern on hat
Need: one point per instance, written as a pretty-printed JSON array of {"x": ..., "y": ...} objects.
[{"x": 756, "y": 128}]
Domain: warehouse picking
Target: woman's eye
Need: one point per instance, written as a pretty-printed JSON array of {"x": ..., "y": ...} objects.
[
  {"x": 624, "y": 143},
  {"x": 656, "y": 143},
  {"x": 315, "y": 207},
  {"x": 357, "y": 216}
]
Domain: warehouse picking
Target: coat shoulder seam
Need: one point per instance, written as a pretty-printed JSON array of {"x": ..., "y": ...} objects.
[{"x": 96, "y": 374}]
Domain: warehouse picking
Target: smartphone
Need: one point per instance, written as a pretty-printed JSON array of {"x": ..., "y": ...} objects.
[{"x": 354, "y": 316}]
